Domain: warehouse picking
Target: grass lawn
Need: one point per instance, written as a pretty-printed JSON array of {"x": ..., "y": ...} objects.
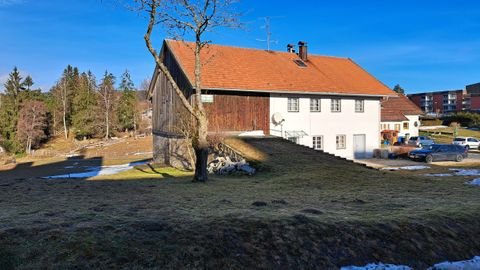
[
  {"x": 302, "y": 210},
  {"x": 445, "y": 135}
]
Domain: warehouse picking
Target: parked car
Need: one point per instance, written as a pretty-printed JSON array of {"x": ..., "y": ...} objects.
[
  {"x": 420, "y": 141},
  {"x": 467, "y": 142},
  {"x": 439, "y": 152}
]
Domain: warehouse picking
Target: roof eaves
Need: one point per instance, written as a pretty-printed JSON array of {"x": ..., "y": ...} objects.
[{"x": 296, "y": 92}]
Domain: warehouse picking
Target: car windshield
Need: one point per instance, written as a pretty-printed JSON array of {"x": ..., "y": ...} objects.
[
  {"x": 459, "y": 139},
  {"x": 413, "y": 138}
]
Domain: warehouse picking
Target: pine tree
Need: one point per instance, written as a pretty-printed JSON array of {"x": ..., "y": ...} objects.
[
  {"x": 397, "y": 88},
  {"x": 85, "y": 117},
  {"x": 9, "y": 111},
  {"x": 28, "y": 82},
  {"x": 127, "y": 109},
  {"x": 64, "y": 92}
]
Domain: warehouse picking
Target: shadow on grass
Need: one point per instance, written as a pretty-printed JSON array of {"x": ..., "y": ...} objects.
[
  {"x": 76, "y": 168},
  {"x": 28, "y": 170},
  {"x": 153, "y": 171}
]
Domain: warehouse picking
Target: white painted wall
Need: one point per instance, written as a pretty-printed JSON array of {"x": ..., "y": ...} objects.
[
  {"x": 411, "y": 131},
  {"x": 329, "y": 124}
]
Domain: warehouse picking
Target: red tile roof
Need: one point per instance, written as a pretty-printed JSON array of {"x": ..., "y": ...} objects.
[
  {"x": 233, "y": 68},
  {"x": 396, "y": 108}
]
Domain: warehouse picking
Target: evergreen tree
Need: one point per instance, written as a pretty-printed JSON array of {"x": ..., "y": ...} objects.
[
  {"x": 9, "y": 111},
  {"x": 28, "y": 82},
  {"x": 126, "y": 111},
  {"x": 85, "y": 118},
  {"x": 64, "y": 92},
  {"x": 397, "y": 88}
]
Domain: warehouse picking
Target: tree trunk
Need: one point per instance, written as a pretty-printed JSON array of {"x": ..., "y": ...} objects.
[
  {"x": 134, "y": 125},
  {"x": 107, "y": 125},
  {"x": 201, "y": 151},
  {"x": 65, "y": 124}
]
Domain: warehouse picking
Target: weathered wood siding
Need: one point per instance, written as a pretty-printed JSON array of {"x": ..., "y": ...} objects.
[
  {"x": 167, "y": 107},
  {"x": 230, "y": 111},
  {"x": 238, "y": 111}
]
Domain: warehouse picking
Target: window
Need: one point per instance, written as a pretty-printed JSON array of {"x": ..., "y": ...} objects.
[
  {"x": 397, "y": 127},
  {"x": 315, "y": 104},
  {"x": 359, "y": 105},
  {"x": 293, "y": 105},
  {"x": 341, "y": 141},
  {"x": 406, "y": 126},
  {"x": 317, "y": 142},
  {"x": 336, "y": 105}
]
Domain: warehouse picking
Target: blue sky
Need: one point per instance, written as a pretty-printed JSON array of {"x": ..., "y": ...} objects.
[{"x": 422, "y": 45}]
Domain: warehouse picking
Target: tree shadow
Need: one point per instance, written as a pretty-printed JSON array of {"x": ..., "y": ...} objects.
[
  {"x": 71, "y": 165},
  {"x": 153, "y": 171}
]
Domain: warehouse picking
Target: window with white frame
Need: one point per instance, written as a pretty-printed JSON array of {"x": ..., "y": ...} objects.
[
  {"x": 359, "y": 105},
  {"x": 341, "y": 141},
  {"x": 315, "y": 104},
  {"x": 336, "y": 105},
  {"x": 406, "y": 126},
  {"x": 317, "y": 142},
  {"x": 397, "y": 127},
  {"x": 293, "y": 105}
]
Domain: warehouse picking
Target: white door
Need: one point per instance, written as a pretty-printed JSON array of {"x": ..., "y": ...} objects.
[{"x": 359, "y": 149}]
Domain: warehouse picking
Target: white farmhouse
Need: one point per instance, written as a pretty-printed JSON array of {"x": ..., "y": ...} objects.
[
  {"x": 401, "y": 115},
  {"x": 328, "y": 103}
]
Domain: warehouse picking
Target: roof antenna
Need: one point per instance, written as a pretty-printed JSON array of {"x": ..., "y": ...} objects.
[{"x": 269, "y": 34}]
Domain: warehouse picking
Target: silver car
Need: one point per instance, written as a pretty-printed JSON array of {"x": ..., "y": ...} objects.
[
  {"x": 467, "y": 142},
  {"x": 420, "y": 141}
]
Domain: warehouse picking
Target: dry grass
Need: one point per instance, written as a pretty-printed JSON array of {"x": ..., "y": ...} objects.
[
  {"x": 303, "y": 210},
  {"x": 445, "y": 135}
]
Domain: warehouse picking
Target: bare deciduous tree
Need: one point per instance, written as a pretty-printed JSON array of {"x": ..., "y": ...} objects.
[
  {"x": 106, "y": 91},
  {"x": 32, "y": 124},
  {"x": 194, "y": 17}
]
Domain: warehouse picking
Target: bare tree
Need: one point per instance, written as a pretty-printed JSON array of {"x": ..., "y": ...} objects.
[
  {"x": 60, "y": 92},
  {"x": 106, "y": 91},
  {"x": 32, "y": 124},
  {"x": 194, "y": 17}
]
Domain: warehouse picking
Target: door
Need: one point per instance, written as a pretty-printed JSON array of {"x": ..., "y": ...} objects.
[{"x": 359, "y": 149}]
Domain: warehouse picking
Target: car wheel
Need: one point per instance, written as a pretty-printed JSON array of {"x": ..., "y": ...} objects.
[
  {"x": 467, "y": 147},
  {"x": 459, "y": 158},
  {"x": 429, "y": 159}
]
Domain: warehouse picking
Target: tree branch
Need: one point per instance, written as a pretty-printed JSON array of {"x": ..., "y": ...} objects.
[{"x": 153, "y": 12}]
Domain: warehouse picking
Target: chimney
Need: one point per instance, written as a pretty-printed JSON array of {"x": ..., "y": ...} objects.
[
  {"x": 291, "y": 48},
  {"x": 302, "y": 50}
]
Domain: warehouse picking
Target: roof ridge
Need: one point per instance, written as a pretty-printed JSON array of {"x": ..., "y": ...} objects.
[{"x": 262, "y": 50}]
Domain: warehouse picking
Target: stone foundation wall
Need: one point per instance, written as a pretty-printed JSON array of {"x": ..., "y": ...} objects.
[{"x": 174, "y": 152}]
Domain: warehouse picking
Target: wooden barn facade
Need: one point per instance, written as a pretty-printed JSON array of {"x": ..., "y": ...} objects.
[{"x": 328, "y": 103}]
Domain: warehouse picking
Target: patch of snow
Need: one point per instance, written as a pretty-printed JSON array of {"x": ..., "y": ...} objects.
[
  {"x": 438, "y": 174},
  {"x": 474, "y": 182},
  {"x": 466, "y": 172},
  {"x": 380, "y": 266},
  {"x": 458, "y": 172},
  {"x": 473, "y": 264},
  {"x": 255, "y": 133},
  {"x": 92, "y": 171},
  {"x": 409, "y": 168}
]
